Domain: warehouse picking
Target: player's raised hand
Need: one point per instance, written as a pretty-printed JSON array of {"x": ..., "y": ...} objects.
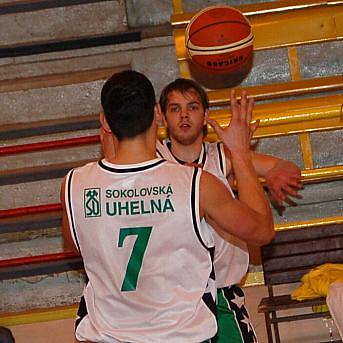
[
  {"x": 282, "y": 184},
  {"x": 237, "y": 135}
]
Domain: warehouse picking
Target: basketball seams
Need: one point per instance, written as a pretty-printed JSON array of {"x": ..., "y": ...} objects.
[
  {"x": 208, "y": 9},
  {"x": 224, "y": 48},
  {"x": 218, "y": 23}
]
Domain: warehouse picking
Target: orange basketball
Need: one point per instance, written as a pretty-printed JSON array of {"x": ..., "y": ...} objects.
[{"x": 219, "y": 39}]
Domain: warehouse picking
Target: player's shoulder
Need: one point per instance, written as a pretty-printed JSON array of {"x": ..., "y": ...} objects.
[
  {"x": 84, "y": 169},
  {"x": 88, "y": 166}
]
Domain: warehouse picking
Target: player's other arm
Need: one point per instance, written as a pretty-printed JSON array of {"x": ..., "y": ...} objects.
[
  {"x": 67, "y": 238},
  {"x": 283, "y": 178}
]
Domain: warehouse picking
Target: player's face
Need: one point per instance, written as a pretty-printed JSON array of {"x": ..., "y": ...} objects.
[{"x": 185, "y": 117}]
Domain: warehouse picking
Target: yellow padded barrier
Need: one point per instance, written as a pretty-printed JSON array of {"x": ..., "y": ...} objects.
[
  {"x": 288, "y": 117},
  {"x": 281, "y": 89},
  {"x": 180, "y": 18},
  {"x": 39, "y": 315},
  {"x": 293, "y": 117}
]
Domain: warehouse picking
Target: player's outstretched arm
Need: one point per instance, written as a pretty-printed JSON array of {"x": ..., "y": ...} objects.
[
  {"x": 283, "y": 178},
  {"x": 236, "y": 138},
  {"x": 253, "y": 203},
  {"x": 232, "y": 216}
]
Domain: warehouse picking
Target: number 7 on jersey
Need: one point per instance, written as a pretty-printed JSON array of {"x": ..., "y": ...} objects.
[{"x": 136, "y": 259}]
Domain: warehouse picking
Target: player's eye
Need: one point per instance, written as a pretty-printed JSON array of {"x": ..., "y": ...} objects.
[
  {"x": 193, "y": 107},
  {"x": 174, "y": 109}
]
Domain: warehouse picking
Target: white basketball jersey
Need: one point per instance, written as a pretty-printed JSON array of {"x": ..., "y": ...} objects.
[
  {"x": 231, "y": 259},
  {"x": 148, "y": 259}
]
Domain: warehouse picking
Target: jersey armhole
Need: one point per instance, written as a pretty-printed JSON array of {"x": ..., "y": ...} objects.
[
  {"x": 69, "y": 208},
  {"x": 202, "y": 230}
]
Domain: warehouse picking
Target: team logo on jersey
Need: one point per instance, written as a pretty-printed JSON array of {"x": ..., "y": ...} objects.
[{"x": 92, "y": 202}]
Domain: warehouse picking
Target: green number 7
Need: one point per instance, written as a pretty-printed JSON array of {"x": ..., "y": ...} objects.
[{"x": 136, "y": 259}]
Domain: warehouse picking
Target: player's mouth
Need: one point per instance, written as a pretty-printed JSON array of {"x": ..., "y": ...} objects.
[{"x": 185, "y": 126}]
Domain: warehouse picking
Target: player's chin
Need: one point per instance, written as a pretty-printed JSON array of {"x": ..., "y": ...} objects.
[{"x": 188, "y": 140}]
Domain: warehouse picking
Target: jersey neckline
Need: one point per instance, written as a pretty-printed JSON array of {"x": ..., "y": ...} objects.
[
  {"x": 200, "y": 160},
  {"x": 129, "y": 168}
]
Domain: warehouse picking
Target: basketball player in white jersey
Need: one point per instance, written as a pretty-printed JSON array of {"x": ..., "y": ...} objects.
[
  {"x": 185, "y": 105},
  {"x": 136, "y": 221}
]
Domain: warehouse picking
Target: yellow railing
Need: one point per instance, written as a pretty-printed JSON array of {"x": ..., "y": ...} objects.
[
  {"x": 180, "y": 18},
  {"x": 309, "y": 223},
  {"x": 301, "y": 117},
  {"x": 220, "y": 97}
]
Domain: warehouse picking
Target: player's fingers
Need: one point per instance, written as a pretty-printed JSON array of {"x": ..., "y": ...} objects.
[
  {"x": 290, "y": 202},
  {"x": 295, "y": 182},
  {"x": 234, "y": 105},
  {"x": 291, "y": 191},
  {"x": 215, "y": 125},
  {"x": 244, "y": 107},
  {"x": 278, "y": 204},
  {"x": 251, "y": 104},
  {"x": 254, "y": 125},
  {"x": 253, "y": 128},
  {"x": 277, "y": 195},
  {"x": 250, "y": 107}
]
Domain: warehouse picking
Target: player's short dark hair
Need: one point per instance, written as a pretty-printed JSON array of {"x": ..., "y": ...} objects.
[
  {"x": 184, "y": 86},
  {"x": 128, "y": 100}
]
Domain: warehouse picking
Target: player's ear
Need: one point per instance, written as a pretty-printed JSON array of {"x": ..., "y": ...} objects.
[
  {"x": 158, "y": 114},
  {"x": 205, "y": 117},
  {"x": 104, "y": 123}
]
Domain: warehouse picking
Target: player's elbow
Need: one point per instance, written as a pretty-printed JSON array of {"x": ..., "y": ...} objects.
[{"x": 264, "y": 231}]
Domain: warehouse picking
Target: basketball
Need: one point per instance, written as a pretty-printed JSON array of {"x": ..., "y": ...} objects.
[{"x": 219, "y": 39}]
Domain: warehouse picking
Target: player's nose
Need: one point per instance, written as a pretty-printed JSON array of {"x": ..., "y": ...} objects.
[{"x": 184, "y": 113}]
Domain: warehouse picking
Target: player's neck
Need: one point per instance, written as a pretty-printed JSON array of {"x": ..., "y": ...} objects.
[
  {"x": 187, "y": 153},
  {"x": 135, "y": 150}
]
